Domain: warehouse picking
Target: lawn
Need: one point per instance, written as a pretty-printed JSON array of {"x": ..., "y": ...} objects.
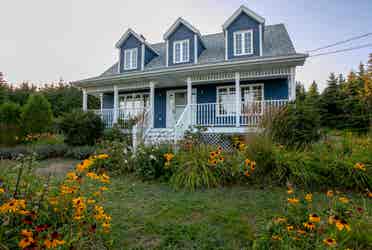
[
  {"x": 153, "y": 216},
  {"x": 149, "y": 215}
]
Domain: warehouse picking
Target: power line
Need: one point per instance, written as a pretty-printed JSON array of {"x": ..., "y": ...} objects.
[
  {"x": 341, "y": 42},
  {"x": 342, "y": 50}
]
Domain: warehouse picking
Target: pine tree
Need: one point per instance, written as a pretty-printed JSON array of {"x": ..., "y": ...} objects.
[
  {"x": 330, "y": 104},
  {"x": 3, "y": 89},
  {"x": 300, "y": 92},
  {"x": 313, "y": 92}
]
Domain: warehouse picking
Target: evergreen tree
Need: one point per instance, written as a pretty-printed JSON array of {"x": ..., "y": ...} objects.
[
  {"x": 330, "y": 104},
  {"x": 313, "y": 92},
  {"x": 300, "y": 92},
  {"x": 3, "y": 89}
]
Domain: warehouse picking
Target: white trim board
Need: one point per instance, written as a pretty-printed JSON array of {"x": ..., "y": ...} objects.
[
  {"x": 245, "y": 10},
  {"x": 243, "y": 33}
]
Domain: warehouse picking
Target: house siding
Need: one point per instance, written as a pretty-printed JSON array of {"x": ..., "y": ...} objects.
[
  {"x": 108, "y": 101},
  {"x": 244, "y": 22},
  {"x": 149, "y": 55},
  {"x": 181, "y": 33},
  {"x": 131, "y": 43}
]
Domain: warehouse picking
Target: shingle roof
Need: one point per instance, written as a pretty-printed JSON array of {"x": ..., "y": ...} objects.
[{"x": 276, "y": 43}]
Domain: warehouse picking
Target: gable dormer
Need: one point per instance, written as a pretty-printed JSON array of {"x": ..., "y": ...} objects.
[
  {"x": 134, "y": 52},
  {"x": 243, "y": 34},
  {"x": 183, "y": 43}
]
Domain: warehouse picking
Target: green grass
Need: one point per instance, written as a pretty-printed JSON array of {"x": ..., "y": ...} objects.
[{"x": 153, "y": 216}]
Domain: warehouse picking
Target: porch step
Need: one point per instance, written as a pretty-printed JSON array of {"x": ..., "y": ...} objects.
[{"x": 159, "y": 135}]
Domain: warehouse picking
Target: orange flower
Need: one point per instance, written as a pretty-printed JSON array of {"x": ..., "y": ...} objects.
[
  {"x": 309, "y": 225},
  {"x": 26, "y": 233},
  {"x": 314, "y": 218},
  {"x": 293, "y": 200},
  {"x": 360, "y": 166},
  {"x": 330, "y": 193},
  {"x": 276, "y": 237},
  {"x": 290, "y": 191},
  {"x": 342, "y": 224},
  {"x": 343, "y": 200},
  {"x": 330, "y": 242},
  {"x": 290, "y": 228},
  {"x": 309, "y": 197},
  {"x": 25, "y": 242},
  {"x": 246, "y": 173}
]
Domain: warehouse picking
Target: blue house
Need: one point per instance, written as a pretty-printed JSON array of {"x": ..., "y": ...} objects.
[{"x": 224, "y": 82}]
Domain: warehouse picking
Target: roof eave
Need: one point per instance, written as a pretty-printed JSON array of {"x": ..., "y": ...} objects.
[
  {"x": 298, "y": 58},
  {"x": 247, "y": 11},
  {"x": 175, "y": 26}
]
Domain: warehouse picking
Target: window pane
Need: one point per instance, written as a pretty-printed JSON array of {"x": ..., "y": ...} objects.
[
  {"x": 185, "y": 51},
  {"x": 127, "y": 59},
  {"x": 134, "y": 59},
  {"x": 247, "y": 42},
  {"x": 238, "y": 44},
  {"x": 177, "y": 52}
]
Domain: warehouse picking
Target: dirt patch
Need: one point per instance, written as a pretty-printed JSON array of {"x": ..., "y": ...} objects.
[{"x": 57, "y": 167}]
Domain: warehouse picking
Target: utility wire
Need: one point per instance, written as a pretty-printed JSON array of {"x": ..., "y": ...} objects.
[
  {"x": 342, "y": 50},
  {"x": 341, "y": 42}
]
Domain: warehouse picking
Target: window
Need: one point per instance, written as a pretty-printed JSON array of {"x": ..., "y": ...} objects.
[
  {"x": 130, "y": 59},
  {"x": 132, "y": 105},
  {"x": 181, "y": 51},
  {"x": 252, "y": 96},
  {"x": 243, "y": 43}
]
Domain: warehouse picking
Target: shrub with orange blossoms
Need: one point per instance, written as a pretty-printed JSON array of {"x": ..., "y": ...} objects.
[
  {"x": 36, "y": 217},
  {"x": 301, "y": 225}
]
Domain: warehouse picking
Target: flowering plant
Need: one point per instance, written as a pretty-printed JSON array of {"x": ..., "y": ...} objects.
[{"x": 37, "y": 213}]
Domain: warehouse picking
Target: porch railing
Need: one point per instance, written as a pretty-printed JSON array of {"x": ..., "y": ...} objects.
[
  {"x": 182, "y": 124},
  {"x": 107, "y": 116},
  {"x": 225, "y": 114},
  {"x": 123, "y": 115}
]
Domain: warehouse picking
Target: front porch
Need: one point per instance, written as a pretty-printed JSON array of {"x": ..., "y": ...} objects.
[{"x": 222, "y": 102}]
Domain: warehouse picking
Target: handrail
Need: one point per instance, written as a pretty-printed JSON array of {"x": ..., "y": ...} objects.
[{"x": 182, "y": 124}]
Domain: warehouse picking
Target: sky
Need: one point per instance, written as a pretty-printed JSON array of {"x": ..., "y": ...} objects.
[{"x": 42, "y": 41}]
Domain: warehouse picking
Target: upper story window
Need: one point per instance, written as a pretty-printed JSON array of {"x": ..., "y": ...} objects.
[
  {"x": 243, "y": 43},
  {"x": 181, "y": 51},
  {"x": 130, "y": 59}
]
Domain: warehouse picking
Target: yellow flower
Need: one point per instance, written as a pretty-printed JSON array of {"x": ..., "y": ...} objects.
[
  {"x": 91, "y": 201},
  {"x": 290, "y": 228},
  {"x": 343, "y": 200},
  {"x": 246, "y": 173},
  {"x": 276, "y": 237},
  {"x": 314, "y": 218},
  {"x": 81, "y": 167},
  {"x": 92, "y": 175},
  {"x": 253, "y": 165},
  {"x": 26, "y": 233},
  {"x": 105, "y": 178},
  {"x": 247, "y": 162},
  {"x": 309, "y": 225},
  {"x": 13, "y": 206},
  {"x": 2, "y": 190},
  {"x": 300, "y": 231},
  {"x": 342, "y": 224},
  {"x": 106, "y": 225},
  {"x": 369, "y": 194},
  {"x": 290, "y": 191},
  {"x": 293, "y": 200},
  {"x": 53, "y": 243},
  {"x": 360, "y": 166},
  {"x": 102, "y": 156},
  {"x": 66, "y": 189},
  {"x": 25, "y": 242},
  {"x": 330, "y": 242},
  {"x": 103, "y": 188},
  {"x": 309, "y": 197},
  {"x": 168, "y": 156},
  {"x": 53, "y": 201},
  {"x": 280, "y": 220},
  {"x": 72, "y": 176},
  {"x": 330, "y": 193}
]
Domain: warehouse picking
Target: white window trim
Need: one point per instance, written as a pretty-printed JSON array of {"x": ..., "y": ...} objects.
[
  {"x": 242, "y": 32},
  {"x": 131, "y": 65},
  {"x": 234, "y": 103},
  {"x": 182, "y": 56}
]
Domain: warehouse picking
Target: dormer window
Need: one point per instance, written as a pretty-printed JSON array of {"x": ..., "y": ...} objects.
[
  {"x": 243, "y": 43},
  {"x": 181, "y": 51},
  {"x": 130, "y": 59}
]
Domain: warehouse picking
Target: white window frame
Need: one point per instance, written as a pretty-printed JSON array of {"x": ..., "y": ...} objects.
[
  {"x": 132, "y": 65},
  {"x": 262, "y": 94},
  {"x": 242, "y": 33},
  {"x": 133, "y": 111},
  {"x": 183, "y": 58},
  {"x": 218, "y": 114}
]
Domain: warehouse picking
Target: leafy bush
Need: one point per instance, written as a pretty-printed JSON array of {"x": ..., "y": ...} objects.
[
  {"x": 301, "y": 225},
  {"x": 296, "y": 125},
  {"x": 194, "y": 169},
  {"x": 36, "y": 213},
  {"x": 121, "y": 159},
  {"x": 80, "y": 152},
  {"x": 36, "y": 115},
  {"x": 116, "y": 134},
  {"x": 150, "y": 161},
  {"x": 81, "y": 128},
  {"x": 10, "y": 129}
]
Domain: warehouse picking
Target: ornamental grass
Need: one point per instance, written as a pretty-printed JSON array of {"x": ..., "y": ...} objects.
[{"x": 46, "y": 213}]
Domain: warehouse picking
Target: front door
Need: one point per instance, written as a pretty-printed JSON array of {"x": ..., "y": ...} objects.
[{"x": 176, "y": 103}]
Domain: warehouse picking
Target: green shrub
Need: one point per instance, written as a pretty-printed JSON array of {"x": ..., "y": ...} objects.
[
  {"x": 193, "y": 170},
  {"x": 10, "y": 129},
  {"x": 150, "y": 162},
  {"x": 36, "y": 115},
  {"x": 116, "y": 134},
  {"x": 81, "y": 128},
  {"x": 121, "y": 158},
  {"x": 296, "y": 125}
]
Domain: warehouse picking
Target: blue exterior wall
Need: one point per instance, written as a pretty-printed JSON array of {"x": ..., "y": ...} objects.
[
  {"x": 108, "y": 101},
  {"x": 181, "y": 33},
  {"x": 244, "y": 22},
  {"x": 131, "y": 43},
  {"x": 200, "y": 46}
]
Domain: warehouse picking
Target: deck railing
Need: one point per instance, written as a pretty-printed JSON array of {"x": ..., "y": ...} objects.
[{"x": 225, "y": 114}]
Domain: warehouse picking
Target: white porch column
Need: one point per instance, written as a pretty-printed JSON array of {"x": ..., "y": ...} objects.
[
  {"x": 189, "y": 97},
  {"x": 101, "y": 101},
  {"x": 116, "y": 104},
  {"x": 85, "y": 100},
  {"x": 237, "y": 98},
  {"x": 152, "y": 104}
]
